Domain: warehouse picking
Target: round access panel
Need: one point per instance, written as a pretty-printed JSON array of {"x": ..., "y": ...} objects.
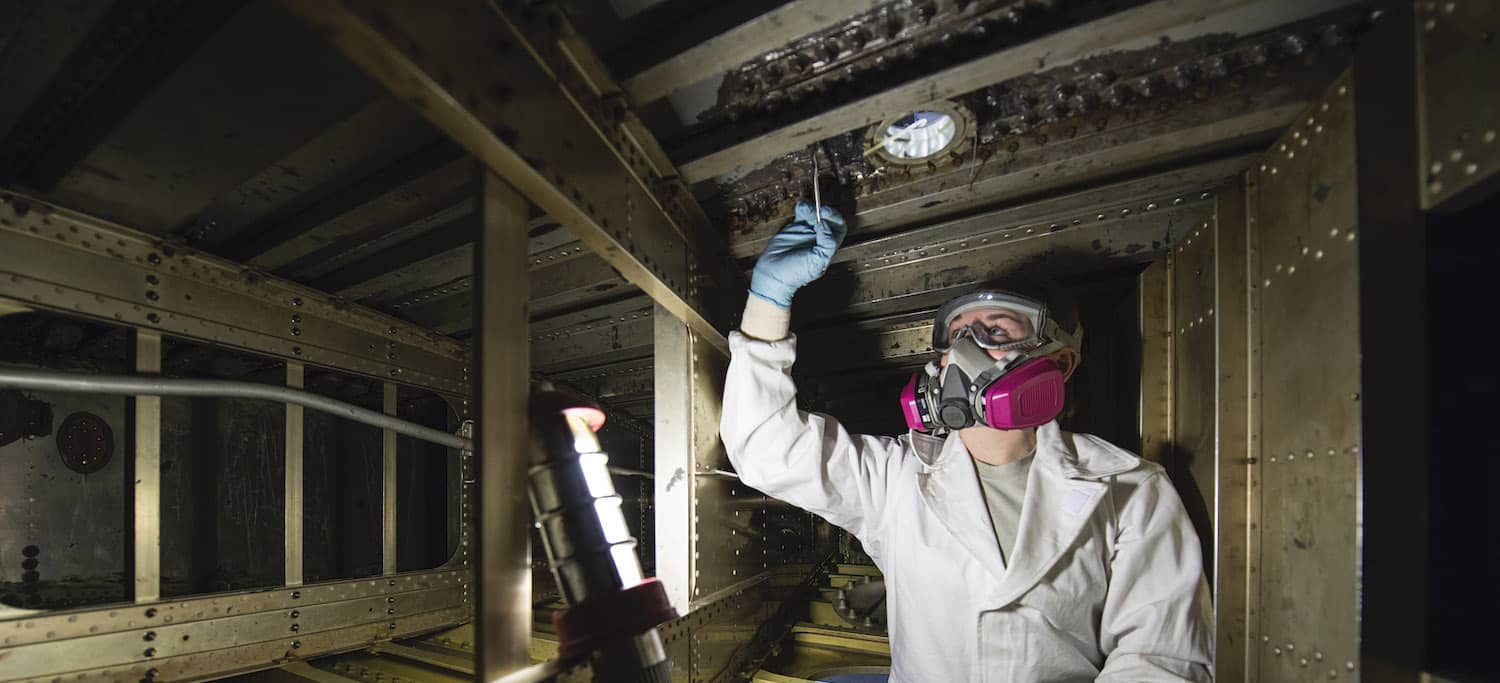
[{"x": 85, "y": 442}]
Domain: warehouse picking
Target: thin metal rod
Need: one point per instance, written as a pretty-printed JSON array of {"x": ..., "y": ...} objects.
[
  {"x": 146, "y": 493},
  {"x": 125, "y": 385},
  {"x": 817, "y": 194},
  {"x": 292, "y": 523}
]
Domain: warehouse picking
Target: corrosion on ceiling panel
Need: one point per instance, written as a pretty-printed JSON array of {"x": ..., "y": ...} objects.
[
  {"x": 1078, "y": 132},
  {"x": 1000, "y": 121}
]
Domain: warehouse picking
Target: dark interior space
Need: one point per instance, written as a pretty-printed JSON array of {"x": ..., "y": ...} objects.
[
  {"x": 1464, "y": 391},
  {"x": 427, "y": 210},
  {"x": 64, "y": 507},
  {"x": 426, "y": 485},
  {"x": 222, "y": 477}
]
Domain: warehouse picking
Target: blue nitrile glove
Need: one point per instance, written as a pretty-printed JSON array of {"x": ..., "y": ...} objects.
[{"x": 798, "y": 254}]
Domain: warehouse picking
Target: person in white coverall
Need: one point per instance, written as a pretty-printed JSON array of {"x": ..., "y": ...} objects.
[{"x": 1020, "y": 554}]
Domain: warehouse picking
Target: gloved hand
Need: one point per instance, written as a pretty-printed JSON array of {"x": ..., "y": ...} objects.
[{"x": 798, "y": 254}]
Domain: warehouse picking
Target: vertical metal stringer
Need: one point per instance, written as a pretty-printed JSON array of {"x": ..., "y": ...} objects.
[{"x": 501, "y": 386}]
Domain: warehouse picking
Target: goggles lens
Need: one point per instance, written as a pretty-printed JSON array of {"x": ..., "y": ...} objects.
[
  {"x": 995, "y": 320},
  {"x": 991, "y": 336}
]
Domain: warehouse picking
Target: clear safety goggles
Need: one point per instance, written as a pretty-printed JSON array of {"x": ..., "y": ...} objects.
[{"x": 1015, "y": 322}]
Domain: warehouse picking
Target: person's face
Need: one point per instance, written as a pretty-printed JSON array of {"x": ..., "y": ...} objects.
[
  {"x": 1002, "y": 323},
  {"x": 1014, "y": 325}
]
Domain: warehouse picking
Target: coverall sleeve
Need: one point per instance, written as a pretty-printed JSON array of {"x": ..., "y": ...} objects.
[
  {"x": 806, "y": 459},
  {"x": 1154, "y": 626}
]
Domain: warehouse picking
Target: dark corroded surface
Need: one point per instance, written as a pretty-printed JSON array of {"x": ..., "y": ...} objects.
[{"x": 1088, "y": 96}]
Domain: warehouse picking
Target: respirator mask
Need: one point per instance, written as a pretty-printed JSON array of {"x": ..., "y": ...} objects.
[{"x": 1023, "y": 388}]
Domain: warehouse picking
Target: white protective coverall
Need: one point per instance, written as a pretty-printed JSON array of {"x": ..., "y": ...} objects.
[{"x": 1106, "y": 581}]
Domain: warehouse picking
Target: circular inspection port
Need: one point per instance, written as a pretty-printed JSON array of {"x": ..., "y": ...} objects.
[{"x": 85, "y": 442}]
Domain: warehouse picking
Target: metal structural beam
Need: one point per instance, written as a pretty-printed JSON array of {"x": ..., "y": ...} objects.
[
  {"x": 1233, "y": 437},
  {"x": 619, "y": 384},
  {"x": 179, "y": 639},
  {"x": 924, "y": 275},
  {"x": 598, "y": 336},
  {"x": 741, "y": 44},
  {"x": 567, "y": 283},
  {"x": 674, "y": 499},
  {"x": 1236, "y": 124},
  {"x": 79, "y": 265},
  {"x": 490, "y": 80},
  {"x": 128, "y": 52},
  {"x": 146, "y": 468},
  {"x": 502, "y": 372},
  {"x": 693, "y": 501},
  {"x": 1459, "y": 110},
  {"x": 388, "y": 485},
  {"x": 1128, "y": 29},
  {"x": 401, "y": 134},
  {"x": 294, "y": 491},
  {"x": 409, "y": 189},
  {"x": 1157, "y": 195}
]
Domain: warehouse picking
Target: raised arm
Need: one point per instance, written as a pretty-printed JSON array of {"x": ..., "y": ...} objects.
[{"x": 806, "y": 459}]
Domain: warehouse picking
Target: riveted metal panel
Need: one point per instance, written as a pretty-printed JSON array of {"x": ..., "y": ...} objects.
[
  {"x": 294, "y": 483},
  {"x": 213, "y": 636},
  {"x": 1123, "y": 30},
  {"x": 145, "y": 474},
  {"x": 584, "y": 167},
  {"x": 1306, "y": 281},
  {"x": 1194, "y": 356},
  {"x": 926, "y": 275},
  {"x": 502, "y": 355},
  {"x": 1256, "y": 460},
  {"x": 729, "y": 518},
  {"x": 69, "y": 262},
  {"x": 1459, "y": 105},
  {"x": 740, "y": 44},
  {"x": 594, "y": 337},
  {"x": 1157, "y": 337},
  {"x": 675, "y": 472},
  {"x": 1231, "y": 462}
]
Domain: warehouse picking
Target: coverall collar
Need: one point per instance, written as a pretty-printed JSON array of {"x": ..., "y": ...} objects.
[
  {"x": 1062, "y": 493},
  {"x": 1053, "y": 446}
]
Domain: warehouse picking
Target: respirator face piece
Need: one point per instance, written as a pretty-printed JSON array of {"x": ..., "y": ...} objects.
[{"x": 1020, "y": 389}]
